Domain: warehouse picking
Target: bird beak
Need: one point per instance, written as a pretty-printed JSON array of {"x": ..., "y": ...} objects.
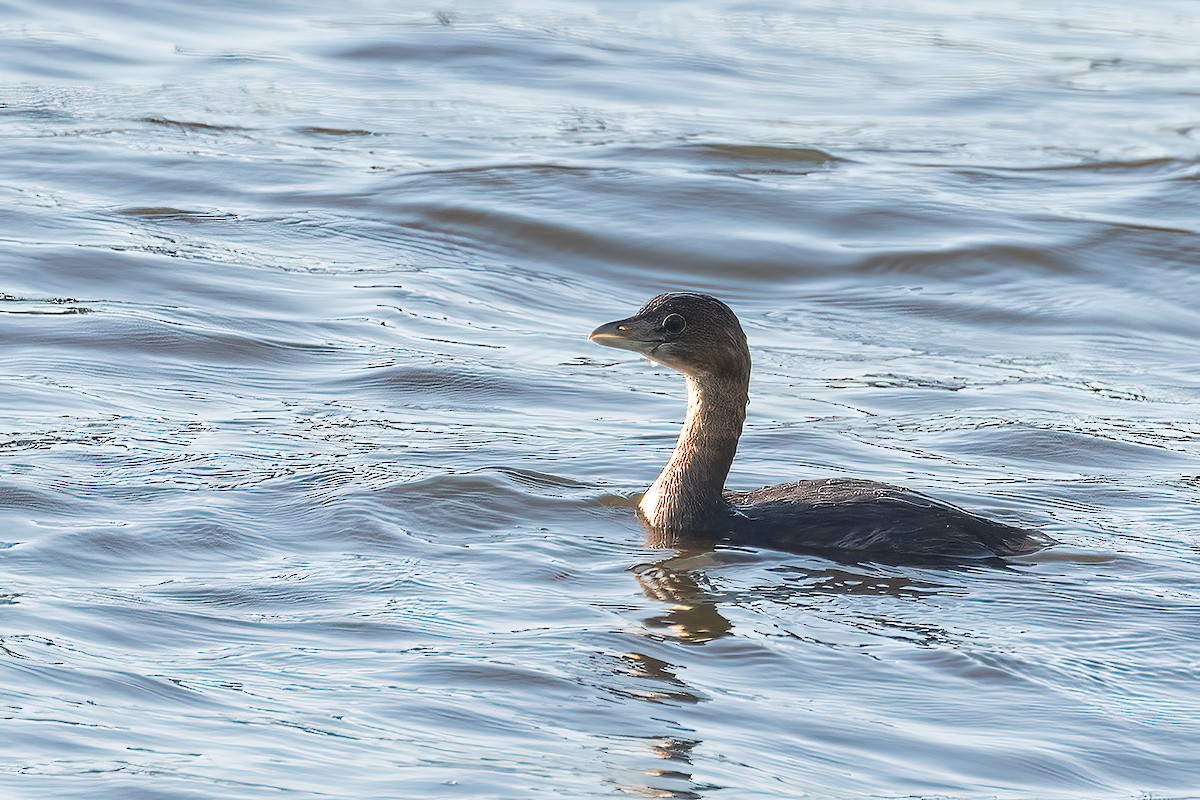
[{"x": 633, "y": 334}]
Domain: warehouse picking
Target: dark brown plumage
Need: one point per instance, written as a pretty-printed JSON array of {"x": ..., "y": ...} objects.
[{"x": 701, "y": 337}]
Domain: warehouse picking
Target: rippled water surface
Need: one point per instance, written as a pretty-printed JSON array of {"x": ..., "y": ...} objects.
[{"x": 312, "y": 487}]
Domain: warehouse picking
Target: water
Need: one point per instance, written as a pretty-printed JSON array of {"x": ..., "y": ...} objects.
[{"x": 312, "y": 487}]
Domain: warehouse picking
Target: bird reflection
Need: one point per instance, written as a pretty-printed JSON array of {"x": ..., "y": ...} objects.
[
  {"x": 674, "y": 778},
  {"x": 692, "y": 616},
  {"x": 656, "y": 681},
  {"x": 688, "y": 609},
  {"x": 666, "y": 768},
  {"x": 843, "y": 581}
]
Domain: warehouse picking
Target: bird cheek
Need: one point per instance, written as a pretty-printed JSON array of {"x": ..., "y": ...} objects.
[{"x": 662, "y": 354}]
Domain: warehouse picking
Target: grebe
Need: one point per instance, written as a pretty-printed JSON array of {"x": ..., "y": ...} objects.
[{"x": 701, "y": 337}]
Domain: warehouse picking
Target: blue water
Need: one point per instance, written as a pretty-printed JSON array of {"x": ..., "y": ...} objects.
[{"x": 312, "y": 487}]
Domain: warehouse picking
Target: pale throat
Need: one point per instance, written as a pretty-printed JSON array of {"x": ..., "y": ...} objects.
[{"x": 689, "y": 489}]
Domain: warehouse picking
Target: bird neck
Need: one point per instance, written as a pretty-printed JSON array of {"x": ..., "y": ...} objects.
[{"x": 689, "y": 488}]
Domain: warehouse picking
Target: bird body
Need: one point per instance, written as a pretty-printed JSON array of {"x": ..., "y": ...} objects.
[
  {"x": 701, "y": 337},
  {"x": 859, "y": 515}
]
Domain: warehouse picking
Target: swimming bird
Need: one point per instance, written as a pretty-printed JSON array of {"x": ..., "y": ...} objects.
[{"x": 701, "y": 337}]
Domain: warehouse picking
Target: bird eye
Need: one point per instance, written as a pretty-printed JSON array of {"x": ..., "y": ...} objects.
[{"x": 674, "y": 323}]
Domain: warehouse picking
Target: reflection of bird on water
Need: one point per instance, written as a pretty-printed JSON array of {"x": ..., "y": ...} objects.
[
  {"x": 693, "y": 616},
  {"x": 700, "y": 336}
]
